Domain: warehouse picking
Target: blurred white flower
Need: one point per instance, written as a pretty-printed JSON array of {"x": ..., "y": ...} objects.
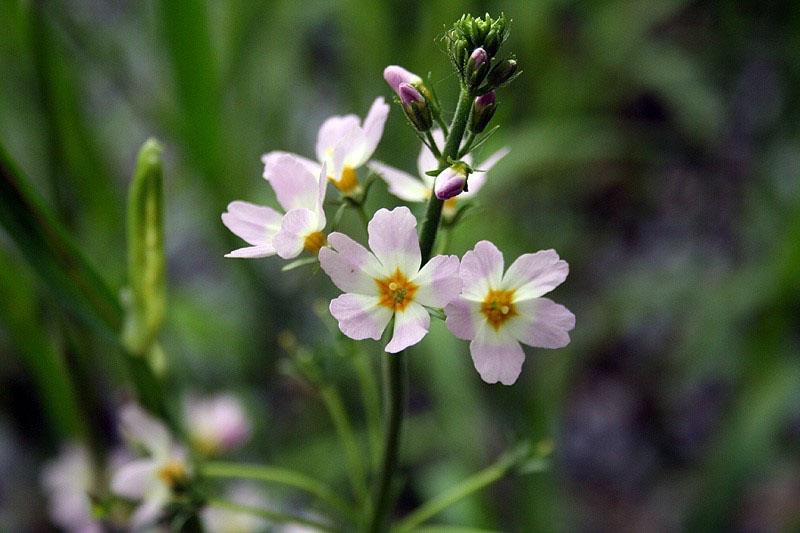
[
  {"x": 152, "y": 478},
  {"x": 67, "y": 481},
  {"x": 217, "y": 424},
  {"x": 219, "y": 520}
]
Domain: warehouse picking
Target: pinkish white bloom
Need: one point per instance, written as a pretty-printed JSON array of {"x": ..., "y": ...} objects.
[
  {"x": 223, "y": 520},
  {"x": 67, "y": 482},
  {"x": 217, "y": 424},
  {"x": 151, "y": 479},
  {"x": 387, "y": 282},
  {"x": 418, "y": 189},
  {"x": 497, "y": 311},
  {"x": 344, "y": 144},
  {"x": 396, "y": 75},
  {"x": 301, "y": 193}
]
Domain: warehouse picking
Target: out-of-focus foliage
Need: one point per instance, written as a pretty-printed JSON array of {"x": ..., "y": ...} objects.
[{"x": 655, "y": 145}]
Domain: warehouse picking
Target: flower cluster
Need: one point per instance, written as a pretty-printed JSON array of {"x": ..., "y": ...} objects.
[{"x": 391, "y": 282}]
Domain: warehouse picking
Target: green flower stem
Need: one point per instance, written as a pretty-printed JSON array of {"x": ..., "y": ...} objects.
[
  {"x": 463, "y": 489},
  {"x": 396, "y": 374},
  {"x": 272, "y": 516},
  {"x": 358, "y": 477},
  {"x": 372, "y": 406},
  {"x": 278, "y": 476},
  {"x": 395, "y": 379}
]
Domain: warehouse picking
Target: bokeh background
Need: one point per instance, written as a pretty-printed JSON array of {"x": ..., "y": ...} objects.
[{"x": 655, "y": 145}]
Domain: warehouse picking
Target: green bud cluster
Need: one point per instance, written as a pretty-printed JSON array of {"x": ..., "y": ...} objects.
[{"x": 469, "y": 33}]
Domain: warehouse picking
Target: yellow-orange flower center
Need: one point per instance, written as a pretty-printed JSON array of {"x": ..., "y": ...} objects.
[
  {"x": 396, "y": 291},
  {"x": 498, "y": 306},
  {"x": 449, "y": 207},
  {"x": 173, "y": 473},
  {"x": 348, "y": 182},
  {"x": 314, "y": 241}
]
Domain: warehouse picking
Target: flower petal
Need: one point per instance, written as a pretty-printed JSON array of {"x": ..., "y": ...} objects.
[
  {"x": 497, "y": 355},
  {"x": 351, "y": 267},
  {"x": 463, "y": 318},
  {"x": 297, "y": 224},
  {"x": 149, "y": 511},
  {"x": 481, "y": 270},
  {"x": 255, "y": 224},
  {"x": 478, "y": 178},
  {"x": 401, "y": 184},
  {"x": 253, "y": 252},
  {"x": 533, "y": 275},
  {"x": 133, "y": 479},
  {"x": 542, "y": 323},
  {"x": 359, "y": 316},
  {"x": 426, "y": 160},
  {"x": 294, "y": 185},
  {"x": 332, "y": 131},
  {"x": 410, "y": 326},
  {"x": 373, "y": 128},
  {"x": 139, "y": 428},
  {"x": 438, "y": 281},
  {"x": 270, "y": 159},
  {"x": 393, "y": 240}
]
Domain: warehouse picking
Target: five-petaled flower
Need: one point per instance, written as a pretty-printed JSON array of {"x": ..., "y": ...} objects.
[
  {"x": 344, "y": 144},
  {"x": 497, "y": 311},
  {"x": 412, "y": 189},
  {"x": 387, "y": 282},
  {"x": 301, "y": 193},
  {"x": 153, "y": 478}
]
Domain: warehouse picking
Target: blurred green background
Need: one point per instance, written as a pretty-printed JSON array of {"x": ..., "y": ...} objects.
[{"x": 655, "y": 145}]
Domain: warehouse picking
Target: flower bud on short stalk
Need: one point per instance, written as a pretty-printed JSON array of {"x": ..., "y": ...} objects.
[
  {"x": 453, "y": 181},
  {"x": 483, "y": 109},
  {"x": 477, "y": 67},
  {"x": 416, "y": 107},
  {"x": 396, "y": 75},
  {"x": 502, "y": 73}
]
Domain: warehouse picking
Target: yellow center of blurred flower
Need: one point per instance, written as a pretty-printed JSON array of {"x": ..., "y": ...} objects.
[
  {"x": 396, "y": 291},
  {"x": 314, "y": 241},
  {"x": 173, "y": 473},
  {"x": 348, "y": 182},
  {"x": 449, "y": 207},
  {"x": 497, "y": 307}
]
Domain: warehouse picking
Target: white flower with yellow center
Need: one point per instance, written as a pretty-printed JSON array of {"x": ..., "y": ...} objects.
[
  {"x": 497, "y": 311},
  {"x": 150, "y": 479},
  {"x": 419, "y": 189},
  {"x": 344, "y": 144},
  {"x": 387, "y": 281},
  {"x": 301, "y": 193}
]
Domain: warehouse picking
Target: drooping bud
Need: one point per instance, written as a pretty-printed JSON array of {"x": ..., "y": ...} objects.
[
  {"x": 415, "y": 106},
  {"x": 453, "y": 181},
  {"x": 477, "y": 67},
  {"x": 483, "y": 109},
  {"x": 395, "y": 75},
  {"x": 502, "y": 73}
]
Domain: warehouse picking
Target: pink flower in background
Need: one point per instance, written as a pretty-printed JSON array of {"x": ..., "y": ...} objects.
[
  {"x": 301, "y": 193},
  {"x": 497, "y": 311},
  {"x": 387, "y": 282},
  {"x": 152, "y": 478},
  {"x": 219, "y": 520},
  {"x": 217, "y": 424},
  {"x": 418, "y": 189},
  {"x": 67, "y": 482},
  {"x": 344, "y": 144}
]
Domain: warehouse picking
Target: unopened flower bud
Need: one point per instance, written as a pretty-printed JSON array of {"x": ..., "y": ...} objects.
[
  {"x": 395, "y": 75},
  {"x": 502, "y": 73},
  {"x": 483, "y": 109},
  {"x": 452, "y": 181},
  {"x": 415, "y": 106},
  {"x": 477, "y": 67}
]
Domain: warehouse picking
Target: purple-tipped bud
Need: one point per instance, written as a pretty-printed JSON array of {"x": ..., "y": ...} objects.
[
  {"x": 415, "y": 106},
  {"x": 477, "y": 67},
  {"x": 503, "y": 73},
  {"x": 452, "y": 181},
  {"x": 483, "y": 109},
  {"x": 395, "y": 75}
]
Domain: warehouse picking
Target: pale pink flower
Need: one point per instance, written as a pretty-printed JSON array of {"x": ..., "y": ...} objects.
[
  {"x": 497, "y": 311},
  {"x": 217, "y": 424},
  {"x": 344, "y": 144},
  {"x": 301, "y": 193},
  {"x": 67, "y": 482},
  {"x": 387, "y": 282},
  {"x": 220, "y": 520},
  {"x": 419, "y": 189},
  {"x": 151, "y": 479}
]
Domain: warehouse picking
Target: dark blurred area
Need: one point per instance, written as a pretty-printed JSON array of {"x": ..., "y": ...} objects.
[{"x": 655, "y": 145}]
